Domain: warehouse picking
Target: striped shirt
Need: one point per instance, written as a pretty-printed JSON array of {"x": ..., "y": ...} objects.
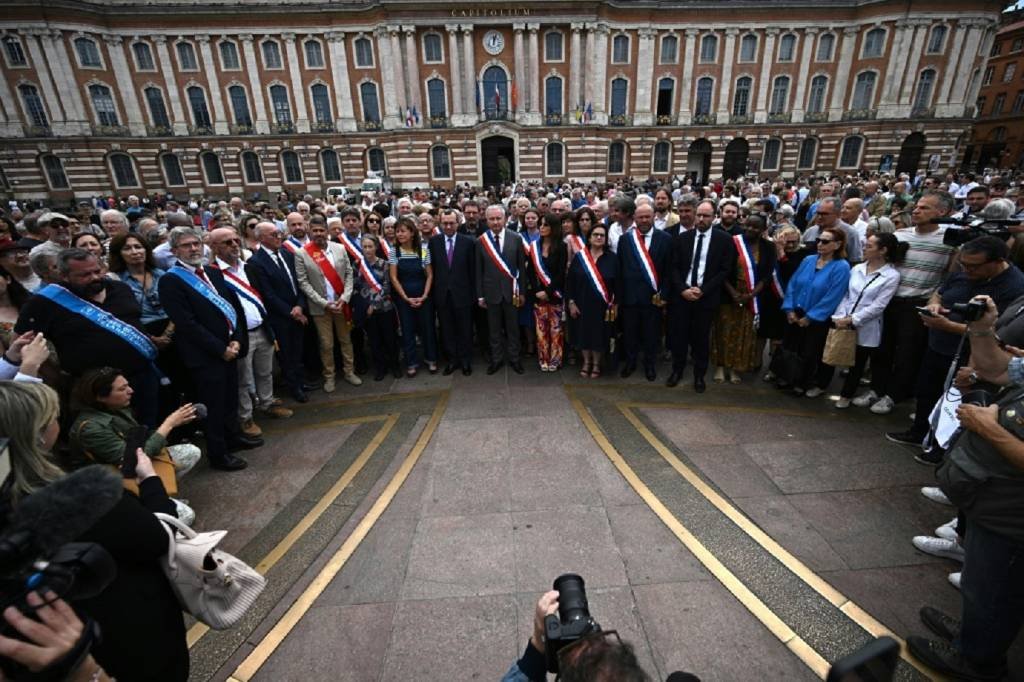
[{"x": 927, "y": 259}]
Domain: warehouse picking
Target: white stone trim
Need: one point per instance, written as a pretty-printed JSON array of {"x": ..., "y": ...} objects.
[
  {"x": 284, "y": 174},
  {"x": 238, "y": 55},
  {"x": 661, "y": 47},
  {"x": 739, "y": 48},
  {"x": 355, "y": 52},
  {"x": 430, "y": 161},
  {"x": 423, "y": 46},
  {"x": 427, "y": 112},
  {"x": 271, "y": 40},
  {"x": 160, "y": 164},
  {"x": 611, "y": 48},
  {"x": 561, "y": 35},
  {"x": 177, "y": 56},
  {"x": 305, "y": 55},
  {"x": 113, "y": 176},
  {"x": 864, "y": 42},
  {"x": 202, "y": 168},
  {"x": 565, "y": 159}
]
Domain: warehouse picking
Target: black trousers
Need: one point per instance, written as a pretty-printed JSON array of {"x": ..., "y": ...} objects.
[
  {"x": 216, "y": 386},
  {"x": 357, "y": 336},
  {"x": 898, "y": 361},
  {"x": 456, "y": 331},
  {"x": 852, "y": 381},
  {"x": 690, "y": 327},
  {"x": 809, "y": 343},
  {"x": 503, "y": 326},
  {"x": 641, "y": 325},
  {"x": 930, "y": 382},
  {"x": 289, "y": 335},
  {"x": 381, "y": 330}
]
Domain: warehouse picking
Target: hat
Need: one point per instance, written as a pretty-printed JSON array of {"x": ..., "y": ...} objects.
[
  {"x": 50, "y": 216},
  {"x": 13, "y": 246}
]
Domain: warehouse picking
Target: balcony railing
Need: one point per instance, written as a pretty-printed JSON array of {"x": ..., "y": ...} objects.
[
  {"x": 553, "y": 119},
  {"x": 241, "y": 129},
  {"x": 741, "y": 119},
  {"x": 368, "y": 126},
  {"x": 666, "y": 120},
  {"x": 322, "y": 126},
  {"x": 438, "y": 122},
  {"x": 282, "y": 128},
  {"x": 38, "y": 131},
  {"x": 159, "y": 131},
  {"x": 780, "y": 117},
  {"x": 109, "y": 131},
  {"x": 815, "y": 117},
  {"x": 620, "y": 120},
  {"x": 860, "y": 115},
  {"x": 923, "y": 112},
  {"x": 705, "y": 119},
  {"x": 497, "y": 115},
  {"x": 201, "y": 131}
]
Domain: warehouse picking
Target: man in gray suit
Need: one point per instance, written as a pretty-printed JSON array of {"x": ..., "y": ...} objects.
[
  {"x": 325, "y": 277},
  {"x": 495, "y": 290}
]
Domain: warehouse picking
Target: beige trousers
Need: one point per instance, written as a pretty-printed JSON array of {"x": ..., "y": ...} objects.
[{"x": 329, "y": 326}]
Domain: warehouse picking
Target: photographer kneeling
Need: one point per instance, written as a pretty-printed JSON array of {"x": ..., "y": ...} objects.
[{"x": 983, "y": 475}]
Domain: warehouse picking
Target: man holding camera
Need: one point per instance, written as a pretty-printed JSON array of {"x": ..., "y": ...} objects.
[{"x": 983, "y": 475}]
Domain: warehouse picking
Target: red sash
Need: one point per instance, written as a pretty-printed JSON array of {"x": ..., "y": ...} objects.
[{"x": 330, "y": 274}]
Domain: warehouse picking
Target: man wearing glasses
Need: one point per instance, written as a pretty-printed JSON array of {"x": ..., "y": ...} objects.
[{"x": 828, "y": 215}]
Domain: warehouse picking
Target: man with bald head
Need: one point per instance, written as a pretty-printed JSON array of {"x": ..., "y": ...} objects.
[{"x": 296, "y": 226}]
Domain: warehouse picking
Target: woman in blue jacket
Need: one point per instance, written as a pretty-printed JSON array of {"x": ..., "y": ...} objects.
[{"x": 813, "y": 294}]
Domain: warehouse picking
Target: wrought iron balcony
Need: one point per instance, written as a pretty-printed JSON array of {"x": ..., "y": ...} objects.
[
  {"x": 705, "y": 119},
  {"x": 322, "y": 127},
  {"x": 741, "y": 119},
  {"x": 201, "y": 131},
  {"x": 159, "y": 131},
  {"x": 369, "y": 126},
  {"x": 38, "y": 131},
  {"x": 109, "y": 131},
  {"x": 241, "y": 129},
  {"x": 282, "y": 128},
  {"x": 553, "y": 119},
  {"x": 780, "y": 117},
  {"x": 620, "y": 120},
  {"x": 860, "y": 115},
  {"x": 497, "y": 115},
  {"x": 666, "y": 120},
  {"x": 923, "y": 112},
  {"x": 815, "y": 117},
  {"x": 438, "y": 122}
]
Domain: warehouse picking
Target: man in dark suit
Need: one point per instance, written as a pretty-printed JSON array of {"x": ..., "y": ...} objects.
[
  {"x": 453, "y": 256},
  {"x": 285, "y": 304},
  {"x": 703, "y": 259},
  {"x": 494, "y": 287},
  {"x": 210, "y": 340},
  {"x": 639, "y": 299}
]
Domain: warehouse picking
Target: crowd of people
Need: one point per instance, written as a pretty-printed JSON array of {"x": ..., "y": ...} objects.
[{"x": 195, "y": 321}]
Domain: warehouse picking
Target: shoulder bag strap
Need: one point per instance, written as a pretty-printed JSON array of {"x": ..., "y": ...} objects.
[{"x": 861, "y": 294}]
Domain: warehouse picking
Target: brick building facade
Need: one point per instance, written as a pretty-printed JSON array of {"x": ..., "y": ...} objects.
[
  {"x": 221, "y": 98},
  {"x": 998, "y": 135}
]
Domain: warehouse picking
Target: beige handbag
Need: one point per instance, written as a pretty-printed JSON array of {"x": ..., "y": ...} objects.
[
  {"x": 212, "y": 585},
  {"x": 841, "y": 344}
]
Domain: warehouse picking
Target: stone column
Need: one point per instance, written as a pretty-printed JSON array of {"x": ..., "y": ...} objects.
[
  {"x": 412, "y": 71},
  {"x": 397, "y": 70},
  {"x": 764, "y": 81},
  {"x": 71, "y": 94},
  {"x": 390, "y": 76},
  {"x": 10, "y": 126},
  {"x": 469, "y": 62},
  {"x": 220, "y": 120},
  {"x": 49, "y": 93},
  {"x": 894, "y": 70},
  {"x": 298, "y": 89},
  {"x": 535, "y": 117},
  {"x": 342, "y": 90},
  {"x": 913, "y": 61},
  {"x": 600, "y": 60},
  {"x": 686, "y": 86},
  {"x": 590, "y": 83},
  {"x": 519, "y": 77},
  {"x": 725, "y": 86},
  {"x": 842, "y": 79},
  {"x": 988, "y": 31},
  {"x": 952, "y": 67},
  {"x": 125, "y": 88},
  {"x": 455, "y": 75},
  {"x": 260, "y": 116},
  {"x": 806, "y": 53},
  {"x": 642, "y": 115},
  {"x": 575, "y": 72}
]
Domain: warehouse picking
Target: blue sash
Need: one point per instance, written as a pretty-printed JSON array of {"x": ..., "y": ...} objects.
[
  {"x": 204, "y": 290},
  {"x": 101, "y": 318}
]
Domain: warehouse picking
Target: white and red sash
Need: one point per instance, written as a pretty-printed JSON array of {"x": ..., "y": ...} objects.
[
  {"x": 360, "y": 262},
  {"x": 777, "y": 284},
  {"x": 330, "y": 274},
  {"x": 385, "y": 247},
  {"x": 746, "y": 261},
  {"x": 292, "y": 244},
  {"x": 244, "y": 290},
  {"x": 594, "y": 275},
  {"x": 575, "y": 242},
  {"x": 537, "y": 260},
  {"x": 646, "y": 263},
  {"x": 370, "y": 277},
  {"x": 498, "y": 261}
]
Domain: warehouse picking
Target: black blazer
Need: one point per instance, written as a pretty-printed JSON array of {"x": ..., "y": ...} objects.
[
  {"x": 633, "y": 286},
  {"x": 460, "y": 278},
  {"x": 556, "y": 266},
  {"x": 721, "y": 261},
  {"x": 201, "y": 330},
  {"x": 278, "y": 295}
]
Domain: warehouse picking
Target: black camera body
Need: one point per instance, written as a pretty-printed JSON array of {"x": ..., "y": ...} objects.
[
  {"x": 971, "y": 311},
  {"x": 573, "y": 621},
  {"x": 959, "y": 231}
]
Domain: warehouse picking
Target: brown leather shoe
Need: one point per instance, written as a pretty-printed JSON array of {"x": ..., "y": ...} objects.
[
  {"x": 278, "y": 412},
  {"x": 251, "y": 429}
]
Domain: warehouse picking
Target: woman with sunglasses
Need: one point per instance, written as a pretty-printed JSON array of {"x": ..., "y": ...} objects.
[
  {"x": 812, "y": 296},
  {"x": 589, "y": 292},
  {"x": 789, "y": 253},
  {"x": 247, "y": 228}
]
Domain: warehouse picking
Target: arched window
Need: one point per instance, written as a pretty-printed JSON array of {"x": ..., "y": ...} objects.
[
  {"x": 88, "y": 53},
  {"x": 433, "y": 50},
  {"x": 103, "y": 104},
  {"x": 617, "y": 158},
  {"x": 377, "y": 161},
  {"x": 748, "y": 48},
  {"x": 705, "y": 86},
  {"x": 54, "y": 169},
  {"x": 282, "y": 108},
  {"x": 925, "y": 85},
  {"x": 364, "y": 53},
  {"x": 849, "y": 154},
  {"x": 708, "y": 49},
  {"x": 553, "y": 95},
  {"x": 874, "y": 43},
  {"x": 553, "y": 46},
  {"x": 330, "y": 165},
  {"x": 826, "y": 44},
  {"x": 436, "y": 106},
  {"x": 816, "y": 98},
  {"x": 936, "y": 39},
  {"x": 271, "y": 55},
  {"x": 787, "y": 48},
  {"x": 620, "y": 49},
  {"x": 240, "y": 105},
  {"x": 619, "y": 89},
  {"x": 772, "y": 154},
  {"x": 321, "y": 103},
  {"x": 808, "y": 153},
  {"x": 863, "y": 91},
  {"x": 143, "y": 56},
  {"x": 186, "y": 56},
  {"x": 554, "y": 157},
  {"x": 292, "y": 167},
  {"x": 314, "y": 54},
  {"x": 157, "y": 108},
  {"x": 440, "y": 163},
  {"x": 368, "y": 97},
  {"x": 15, "y": 53},
  {"x": 495, "y": 94},
  {"x": 780, "y": 96},
  {"x": 252, "y": 171},
  {"x": 124, "y": 170},
  {"x": 669, "y": 50},
  {"x": 661, "y": 158},
  {"x": 229, "y": 56},
  {"x": 741, "y": 98},
  {"x": 172, "y": 170},
  {"x": 34, "y": 109},
  {"x": 197, "y": 102},
  {"x": 211, "y": 168}
]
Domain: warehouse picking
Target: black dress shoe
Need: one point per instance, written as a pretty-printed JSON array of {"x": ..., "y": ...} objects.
[
  {"x": 243, "y": 442},
  {"x": 650, "y": 374},
  {"x": 494, "y": 367},
  {"x": 379, "y": 376},
  {"x": 229, "y": 463},
  {"x": 673, "y": 379},
  {"x": 312, "y": 386},
  {"x": 516, "y": 367},
  {"x": 699, "y": 385},
  {"x": 300, "y": 396},
  {"x": 449, "y": 369},
  {"x": 627, "y": 371},
  {"x": 467, "y": 370},
  {"x": 396, "y": 372}
]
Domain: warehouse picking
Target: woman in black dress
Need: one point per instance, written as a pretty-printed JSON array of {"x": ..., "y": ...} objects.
[
  {"x": 789, "y": 251},
  {"x": 587, "y": 305}
]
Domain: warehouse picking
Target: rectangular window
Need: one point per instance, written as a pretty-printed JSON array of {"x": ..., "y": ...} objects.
[
  {"x": 271, "y": 55},
  {"x": 1018, "y": 102},
  {"x": 124, "y": 171},
  {"x": 143, "y": 57},
  {"x": 1010, "y": 72},
  {"x": 314, "y": 54},
  {"x": 187, "y": 57},
  {"x": 553, "y": 46},
  {"x": 172, "y": 170},
  {"x": 364, "y": 53},
  {"x": 432, "y": 51},
  {"x": 1017, "y": 45},
  {"x": 998, "y": 103},
  {"x": 620, "y": 51},
  {"x": 708, "y": 49},
  {"x": 15, "y": 55},
  {"x": 669, "y": 50},
  {"x": 55, "y": 172}
]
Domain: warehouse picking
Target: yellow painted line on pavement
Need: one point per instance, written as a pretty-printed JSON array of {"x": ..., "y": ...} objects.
[{"x": 273, "y": 639}]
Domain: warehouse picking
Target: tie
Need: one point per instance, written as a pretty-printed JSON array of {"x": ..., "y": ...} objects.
[
  {"x": 497, "y": 244},
  {"x": 696, "y": 260},
  {"x": 451, "y": 250},
  {"x": 284, "y": 269},
  {"x": 201, "y": 274}
]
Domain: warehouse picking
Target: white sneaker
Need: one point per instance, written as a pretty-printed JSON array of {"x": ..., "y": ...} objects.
[
  {"x": 813, "y": 392},
  {"x": 947, "y": 549},
  {"x": 353, "y": 379},
  {"x": 954, "y": 579},
  {"x": 769, "y": 376},
  {"x": 842, "y": 403},
  {"x": 865, "y": 399},
  {"x": 935, "y": 494},
  {"x": 913, "y": 416},
  {"x": 947, "y": 531},
  {"x": 186, "y": 514},
  {"x": 883, "y": 405},
  {"x": 329, "y": 385}
]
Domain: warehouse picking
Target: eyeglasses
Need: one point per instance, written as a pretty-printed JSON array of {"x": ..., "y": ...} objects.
[
  {"x": 595, "y": 235},
  {"x": 972, "y": 266},
  {"x": 372, "y": 220},
  {"x": 825, "y": 241}
]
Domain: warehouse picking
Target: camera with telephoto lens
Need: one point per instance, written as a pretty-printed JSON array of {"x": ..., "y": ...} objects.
[
  {"x": 573, "y": 621},
  {"x": 959, "y": 231},
  {"x": 970, "y": 311}
]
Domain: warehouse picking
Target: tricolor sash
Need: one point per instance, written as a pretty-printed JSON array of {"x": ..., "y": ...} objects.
[
  {"x": 594, "y": 275},
  {"x": 746, "y": 262},
  {"x": 537, "y": 259},
  {"x": 355, "y": 251},
  {"x": 777, "y": 284},
  {"x": 356, "y": 255},
  {"x": 646, "y": 264},
  {"x": 498, "y": 261},
  {"x": 576, "y": 242},
  {"x": 385, "y": 247},
  {"x": 292, "y": 244},
  {"x": 101, "y": 318},
  {"x": 370, "y": 277},
  {"x": 245, "y": 290},
  {"x": 207, "y": 292}
]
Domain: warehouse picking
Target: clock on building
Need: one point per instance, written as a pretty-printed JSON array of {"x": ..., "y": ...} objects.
[{"x": 494, "y": 42}]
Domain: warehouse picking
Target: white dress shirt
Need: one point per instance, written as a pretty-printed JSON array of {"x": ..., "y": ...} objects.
[
  {"x": 867, "y": 318},
  {"x": 253, "y": 315}
]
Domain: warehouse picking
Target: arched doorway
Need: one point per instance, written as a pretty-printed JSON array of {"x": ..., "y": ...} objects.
[
  {"x": 910, "y": 154},
  {"x": 698, "y": 161},
  {"x": 497, "y": 160},
  {"x": 736, "y": 153},
  {"x": 494, "y": 97}
]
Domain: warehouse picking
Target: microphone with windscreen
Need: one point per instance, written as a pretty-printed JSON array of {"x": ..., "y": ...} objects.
[{"x": 201, "y": 410}]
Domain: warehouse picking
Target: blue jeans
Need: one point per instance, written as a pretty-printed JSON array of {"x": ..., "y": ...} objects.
[
  {"x": 992, "y": 586},
  {"x": 417, "y": 321}
]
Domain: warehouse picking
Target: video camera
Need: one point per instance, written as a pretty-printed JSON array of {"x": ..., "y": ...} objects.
[
  {"x": 573, "y": 621},
  {"x": 965, "y": 229}
]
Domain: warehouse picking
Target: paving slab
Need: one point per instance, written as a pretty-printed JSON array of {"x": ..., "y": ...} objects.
[
  {"x": 777, "y": 516},
  {"x": 377, "y": 570},
  {"x": 650, "y": 552}
]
